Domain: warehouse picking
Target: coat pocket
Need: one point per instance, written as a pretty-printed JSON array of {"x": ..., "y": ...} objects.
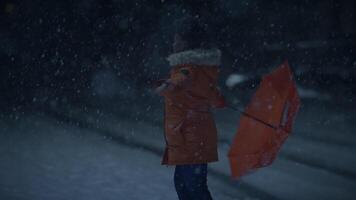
[
  {"x": 193, "y": 128},
  {"x": 173, "y": 133}
]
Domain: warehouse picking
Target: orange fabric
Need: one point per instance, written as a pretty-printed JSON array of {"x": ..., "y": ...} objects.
[
  {"x": 276, "y": 102},
  {"x": 190, "y": 130}
]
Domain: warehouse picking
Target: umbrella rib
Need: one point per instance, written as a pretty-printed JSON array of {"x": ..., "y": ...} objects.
[{"x": 252, "y": 117}]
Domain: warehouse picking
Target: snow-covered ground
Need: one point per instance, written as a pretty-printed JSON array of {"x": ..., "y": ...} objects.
[
  {"x": 41, "y": 158},
  {"x": 71, "y": 153}
]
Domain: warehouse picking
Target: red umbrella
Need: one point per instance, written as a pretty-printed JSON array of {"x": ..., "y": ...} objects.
[{"x": 266, "y": 122}]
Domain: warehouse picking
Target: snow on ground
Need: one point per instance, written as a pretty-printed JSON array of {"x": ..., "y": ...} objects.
[
  {"x": 101, "y": 155},
  {"x": 321, "y": 165},
  {"x": 41, "y": 158}
]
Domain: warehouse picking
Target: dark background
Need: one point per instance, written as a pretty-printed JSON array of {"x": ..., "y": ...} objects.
[
  {"x": 78, "y": 119},
  {"x": 51, "y": 50}
]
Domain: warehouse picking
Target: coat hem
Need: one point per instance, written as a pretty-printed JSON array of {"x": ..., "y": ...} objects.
[{"x": 170, "y": 163}]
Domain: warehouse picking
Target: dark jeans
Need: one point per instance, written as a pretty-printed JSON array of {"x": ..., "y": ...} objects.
[{"x": 190, "y": 182}]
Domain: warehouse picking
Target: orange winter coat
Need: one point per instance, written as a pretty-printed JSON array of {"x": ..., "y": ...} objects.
[{"x": 189, "y": 126}]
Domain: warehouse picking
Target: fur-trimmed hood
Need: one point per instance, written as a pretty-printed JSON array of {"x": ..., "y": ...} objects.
[{"x": 196, "y": 56}]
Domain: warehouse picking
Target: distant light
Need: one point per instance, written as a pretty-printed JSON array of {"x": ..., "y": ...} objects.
[
  {"x": 9, "y": 8},
  {"x": 312, "y": 94},
  {"x": 235, "y": 79}
]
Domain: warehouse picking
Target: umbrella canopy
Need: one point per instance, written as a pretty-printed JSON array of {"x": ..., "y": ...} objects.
[{"x": 266, "y": 122}]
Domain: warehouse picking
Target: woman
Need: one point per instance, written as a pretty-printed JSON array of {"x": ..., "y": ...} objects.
[{"x": 190, "y": 93}]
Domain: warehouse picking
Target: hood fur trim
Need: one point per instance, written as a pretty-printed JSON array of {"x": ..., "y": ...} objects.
[{"x": 196, "y": 56}]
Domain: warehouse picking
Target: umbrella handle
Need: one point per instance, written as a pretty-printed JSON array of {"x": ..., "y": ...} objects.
[{"x": 250, "y": 116}]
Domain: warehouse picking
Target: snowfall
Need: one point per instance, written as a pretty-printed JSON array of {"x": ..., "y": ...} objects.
[{"x": 71, "y": 152}]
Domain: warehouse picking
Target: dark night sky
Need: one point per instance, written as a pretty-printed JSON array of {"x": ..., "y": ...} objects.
[
  {"x": 57, "y": 46},
  {"x": 79, "y": 120}
]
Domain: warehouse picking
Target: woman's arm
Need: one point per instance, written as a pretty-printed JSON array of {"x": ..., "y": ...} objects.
[
  {"x": 218, "y": 99},
  {"x": 179, "y": 79},
  {"x": 166, "y": 85}
]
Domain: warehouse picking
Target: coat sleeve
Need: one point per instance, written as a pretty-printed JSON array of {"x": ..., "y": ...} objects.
[
  {"x": 179, "y": 80},
  {"x": 217, "y": 99}
]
